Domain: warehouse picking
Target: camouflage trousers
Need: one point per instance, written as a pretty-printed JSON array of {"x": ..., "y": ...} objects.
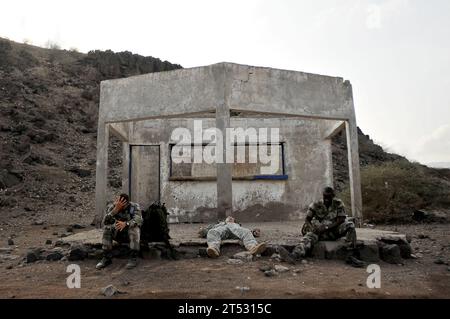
[
  {"x": 230, "y": 231},
  {"x": 308, "y": 241},
  {"x": 128, "y": 235}
]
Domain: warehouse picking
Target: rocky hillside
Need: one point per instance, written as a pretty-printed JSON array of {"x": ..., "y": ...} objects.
[
  {"x": 48, "y": 125},
  {"x": 48, "y": 117}
]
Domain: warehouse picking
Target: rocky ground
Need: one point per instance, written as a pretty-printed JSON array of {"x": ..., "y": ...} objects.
[{"x": 427, "y": 275}]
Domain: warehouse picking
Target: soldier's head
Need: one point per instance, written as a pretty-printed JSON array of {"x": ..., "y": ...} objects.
[
  {"x": 256, "y": 232},
  {"x": 328, "y": 195}
]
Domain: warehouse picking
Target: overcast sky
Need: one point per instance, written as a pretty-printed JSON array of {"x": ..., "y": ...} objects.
[{"x": 396, "y": 53}]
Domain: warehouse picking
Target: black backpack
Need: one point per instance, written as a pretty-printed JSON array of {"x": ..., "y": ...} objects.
[{"x": 155, "y": 227}]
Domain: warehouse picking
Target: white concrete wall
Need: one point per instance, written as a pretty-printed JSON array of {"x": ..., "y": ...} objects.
[{"x": 307, "y": 164}]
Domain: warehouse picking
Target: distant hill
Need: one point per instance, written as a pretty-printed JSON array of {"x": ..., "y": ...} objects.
[{"x": 48, "y": 125}]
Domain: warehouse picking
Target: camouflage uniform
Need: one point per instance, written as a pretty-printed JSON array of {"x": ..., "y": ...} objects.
[
  {"x": 132, "y": 214},
  {"x": 223, "y": 230},
  {"x": 321, "y": 215}
]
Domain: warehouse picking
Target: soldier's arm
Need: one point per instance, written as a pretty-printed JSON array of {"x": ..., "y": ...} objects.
[
  {"x": 137, "y": 217},
  {"x": 108, "y": 219},
  {"x": 340, "y": 216}
]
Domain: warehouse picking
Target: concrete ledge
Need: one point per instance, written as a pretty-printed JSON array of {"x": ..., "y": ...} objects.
[{"x": 373, "y": 244}]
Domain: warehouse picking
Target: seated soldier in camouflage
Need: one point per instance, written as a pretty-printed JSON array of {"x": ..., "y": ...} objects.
[
  {"x": 325, "y": 220},
  {"x": 121, "y": 223},
  {"x": 229, "y": 229}
]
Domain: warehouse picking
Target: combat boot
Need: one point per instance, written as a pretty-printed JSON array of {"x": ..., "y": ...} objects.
[
  {"x": 212, "y": 252},
  {"x": 285, "y": 255},
  {"x": 132, "y": 261},
  {"x": 257, "y": 249},
  {"x": 106, "y": 260}
]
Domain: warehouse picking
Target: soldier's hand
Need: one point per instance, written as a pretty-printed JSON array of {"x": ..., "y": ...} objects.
[
  {"x": 119, "y": 204},
  {"x": 120, "y": 225}
]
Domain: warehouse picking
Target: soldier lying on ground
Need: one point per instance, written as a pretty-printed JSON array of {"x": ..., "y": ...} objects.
[
  {"x": 229, "y": 229},
  {"x": 121, "y": 223},
  {"x": 325, "y": 220}
]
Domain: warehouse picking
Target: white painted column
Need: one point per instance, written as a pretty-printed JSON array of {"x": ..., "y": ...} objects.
[
  {"x": 224, "y": 170},
  {"x": 353, "y": 169},
  {"x": 101, "y": 173}
]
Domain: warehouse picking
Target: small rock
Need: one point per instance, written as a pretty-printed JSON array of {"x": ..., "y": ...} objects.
[
  {"x": 124, "y": 282},
  {"x": 244, "y": 256},
  {"x": 281, "y": 268},
  {"x": 270, "y": 273},
  {"x": 110, "y": 291},
  {"x": 304, "y": 262},
  {"x": 448, "y": 268},
  {"x": 233, "y": 261},
  {"x": 439, "y": 261},
  {"x": 69, "y": 229},
  {"x": 80, "y": 171},
  {"x": 243, "y": 289},
  {"x": 10, "y": 242},
  {"x": 48, "y": 242},
  {"x": 265, "y": 267},
  {"x": 276, "y": 257},
  {"x": 77, "y": 226},
  {"x": 55, "y": 233},
  {"x": 38, "y": 222},
  {"x": 297, "y": 270},
  {"x": 423, "y": 236}
]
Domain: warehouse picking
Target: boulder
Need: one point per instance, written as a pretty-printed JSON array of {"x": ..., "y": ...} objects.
[
  {"x": 390, "y": 253},
  {"x": 33, "y": 255},
  {"x": 369, "y": 252},
  {"x": 78, "y": 252},
  {"x": 54, "y": 255},
  {"x": 331, "y": 250}
]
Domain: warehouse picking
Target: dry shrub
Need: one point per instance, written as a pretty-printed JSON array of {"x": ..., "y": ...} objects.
[{"x": 393, "y": 190}]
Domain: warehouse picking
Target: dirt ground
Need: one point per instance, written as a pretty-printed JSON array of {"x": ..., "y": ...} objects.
[{"x": 206, "y": 278}]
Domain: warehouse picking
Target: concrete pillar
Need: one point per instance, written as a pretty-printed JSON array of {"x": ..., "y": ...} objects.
[
  {"x": 126, "y": 167},
  {"x": 224, "y": 170},
  {"x": 353, "y": 169},
  {"x": 101, "y": 171}
]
